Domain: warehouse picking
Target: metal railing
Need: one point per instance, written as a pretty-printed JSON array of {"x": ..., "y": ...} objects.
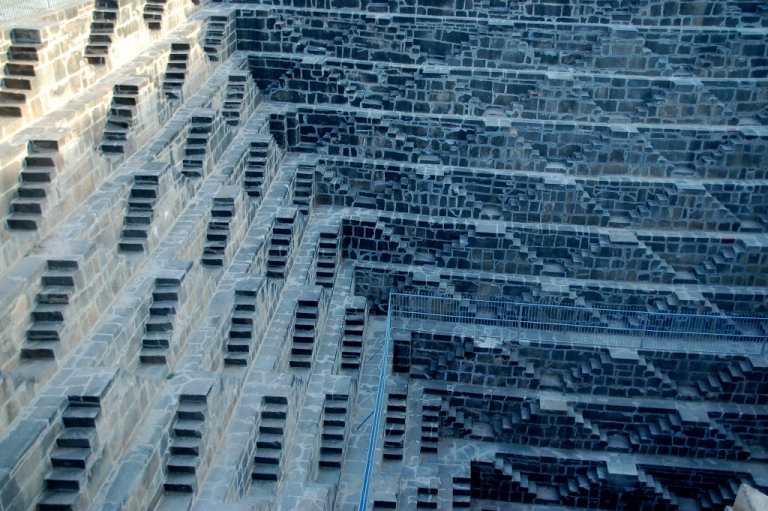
[{"x": 699, "y": 332}]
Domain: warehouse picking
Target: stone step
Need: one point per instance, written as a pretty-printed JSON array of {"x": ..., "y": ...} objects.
[
  {"x": 76, "y": 457},
  {"x": 180, "y": 482},
  {"x": 188, "y": 428},
  {"x": 53, "y": 500},
  {"x": 19, "y": 70},
  {"x": 188, "y": 446},
  {"x": 28, "y": 191},
  {"x": 80, "y": 416},
  {"x": 22, "y": 221},
  {"x": 48, "y": 312},
  {"x": 191, "y": 411},
  {"x": 155, "y": 342},
  {"x": 39, "y": 350},
  {"x": 236, "y": 359},
  {"x": 65, "y": 479},
  {"x": 182, "y": 463},
  {"x": 44, "y": 331},
  {"x": 153, "y": 356},
  {"x": 132, "y": 246},
  {"x": 265, "y": 472},
  {"x": 36, "y": 175},
  {"x": 25, "y": 206},
  {"x": 74, "y": 437},
  {"x": 58, "y": 279},
  {"x": 238, "y": 347}
]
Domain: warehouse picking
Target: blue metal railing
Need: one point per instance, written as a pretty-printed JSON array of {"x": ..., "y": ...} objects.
[
  {"x": 694, "y": 329},
  {"x": 377, "y": 409}
]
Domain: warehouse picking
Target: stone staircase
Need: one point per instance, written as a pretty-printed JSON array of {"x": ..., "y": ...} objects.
[
  {"x": 239, "y": 92},
  {"x": 186, "y": 444},
  {"x": 215, "y": 36},
  {"x": 267, "y": 462},
  {"x": 658, "y": 489},
  {"x": 355, "y": 315},
  {"x": 601, "y": 438},
  {"x": 719, "y": 496},
  {"x": 719, "y": 384},
  {"x": 158, "y": 330},
  {"x": 237, "y": 350},
  {"x": 394, "y": 423},
  {"x": 254, "y": 179},
  {"x": 153, "y": 13},
  {"x": 462, "y": 491},
  {"x": 196, "y": 147},
  {"x": 711, "y": 269},
  {"x": 383, "y": 501},
  {"x": 401, "y": 353},
  {"x": 305, "y": 323},
  {"x": 105, "y": 14},
  {"x": 527, "y": 490},
  {"x": 216, "y": 237},
  {"x": 427, "y": 497},
  {"x": 72, "y": 458},
  {"x": 20, "y": 71},
  {"x": 747, "y": 433},
  {"x": 40, "y": 167},
  {"x": 304, "y": 188},
  {"x": 176, "y": 71},
  {"x": 47, "y": 320},
  {"x": 334, "y": 425},
  {"x": 430, "y": 423},
  {"x": 138, "y": 218},
  {"x": 280, "y": 243},
  {"x": 120, "y": 118},
  {"x": 328, "y": 252}
]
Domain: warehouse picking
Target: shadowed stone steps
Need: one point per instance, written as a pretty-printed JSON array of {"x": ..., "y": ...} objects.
[
  {"x": 304, "y": 188},
  {"x": 333, "y": 435},
  {"x": 305, "y": 324},
  {"x": 19, "y": 76},
  {"x": 71, "y": 458},
  {"x": 153, "y": 13},
  {"x": 237, "y": 351},
  {"x": 196, "y": 147},
  {"x": 217, "y": 235},
  {"x": 215, "y": 35},
  {"x": 138, "y": 218},
  {"x": 105, "y": 16},
  {"x": 269, "y": 444},
  {"x": 328, "y": 254},
  {"x": 281, "y": 242},
  {"x": 355, "y": 315},
  {"x": 158, "y": 330},
  {"x": 121, "y": 117},
  {"x": 253, "y": 180},
  {"x": 239, "y": 93},
  {"x": 176, "y": 71},
  {"x": 187, "y": 440},
  {"x": 39, "y": 170},
  {"x": 47, "y": 325},
  {"x": 394, "y": 423}
]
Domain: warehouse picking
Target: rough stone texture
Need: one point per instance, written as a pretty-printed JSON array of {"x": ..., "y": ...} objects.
[
  {"x": 750, "y": 499},
  {"x": 206, "y": 205}
]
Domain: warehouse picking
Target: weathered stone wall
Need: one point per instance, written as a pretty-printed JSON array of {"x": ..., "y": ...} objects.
[{"x": 206, "y": 211}]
